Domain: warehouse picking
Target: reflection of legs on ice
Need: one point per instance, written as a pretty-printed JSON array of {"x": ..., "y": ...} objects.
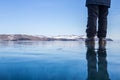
[
  {"x": 102, "y": 65},
  {"x": 95, "y": 73},
  {"x": 92, "y": 69},
  {"x": 91, "y": 59}
]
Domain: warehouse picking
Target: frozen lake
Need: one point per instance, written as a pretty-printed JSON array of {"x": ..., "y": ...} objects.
[{"x": 58, "y": 60}]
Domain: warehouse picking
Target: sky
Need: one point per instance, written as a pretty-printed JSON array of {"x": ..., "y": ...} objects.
[{"x": 52, "y": 17}]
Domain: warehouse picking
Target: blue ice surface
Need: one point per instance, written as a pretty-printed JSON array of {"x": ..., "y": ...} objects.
[{"x": 57, "y": 60}]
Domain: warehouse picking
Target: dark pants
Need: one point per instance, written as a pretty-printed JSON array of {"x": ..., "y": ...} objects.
[{"x": 95, "y": 12}]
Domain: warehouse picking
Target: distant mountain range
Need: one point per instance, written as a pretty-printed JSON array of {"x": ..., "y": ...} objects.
[{"x": 23, "y": 37}]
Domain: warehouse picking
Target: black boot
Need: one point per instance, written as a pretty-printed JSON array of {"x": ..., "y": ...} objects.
[{"x": 102, "y": 43}]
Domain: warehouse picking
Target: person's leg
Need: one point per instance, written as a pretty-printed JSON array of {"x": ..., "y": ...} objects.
[
  {"x": 102, "y": 21},
  {"x": 92, "y": 20}
]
